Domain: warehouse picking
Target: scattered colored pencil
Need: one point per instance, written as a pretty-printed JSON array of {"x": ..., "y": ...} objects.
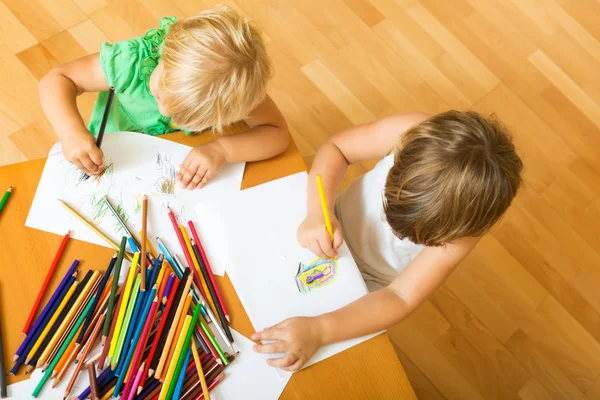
[
  {"x": 180, "y": 376},
  {"x": 97, "y": 231},
  {"x": 116, "y": 346},
  {"x": 93, "y": 381},
  {"x": 5, "y": 198},
  {"x": 49, "y": 275},
  {"x": 208, "y": 268},
  {"x": 144, "y": 241},
  {"x": 164, "y": 392},
  {"x": 181, "y": 357},
  {"x": 176, "y": 267},
  {"x": 113, "y": 292},
  {"x": 199, "y": 370},
  {"x": 202, "y": 288}
]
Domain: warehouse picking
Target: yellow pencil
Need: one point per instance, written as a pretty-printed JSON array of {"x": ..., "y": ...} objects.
[
  {"x": 171, "y": 334},
  {"x": 97, "y": 231},
  {"x": 61, "y": 306},
  {"x": 126, "y": 296},
  {"x": 199, "y": 369},
  {"x": 59, "y": 332},
  {"x": 186, "y": 306},
  {"x": 169, "y": 377},
  {"x": 188, "y": 244},
  {"x": 324, "y": 206}
]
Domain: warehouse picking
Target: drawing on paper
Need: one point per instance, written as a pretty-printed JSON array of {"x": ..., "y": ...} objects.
[
  {"x": 108, "y": 171},
  {"x": 317, "y": 274},
  {"x": 137, "y": 207},
  {"x": 166, "y": 181},
  {"x": 100, "y": 210}
]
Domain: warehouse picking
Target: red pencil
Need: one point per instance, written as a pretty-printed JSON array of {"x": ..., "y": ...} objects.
[
  {"x": 208, "y": 269},
  {"x": 36, "y": 305},
  {"x": 186, "y": 253}
]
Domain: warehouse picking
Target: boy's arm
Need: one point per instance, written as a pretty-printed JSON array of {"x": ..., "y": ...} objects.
[
  {"x": 299, "y": 338},
  {"x": 58, "y": 91},
  {"x": 362, "y": 142},
  {"x": 267, "y": 137}
]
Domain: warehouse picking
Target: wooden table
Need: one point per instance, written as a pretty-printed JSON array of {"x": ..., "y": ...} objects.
[{"x": 370, "y": 370}]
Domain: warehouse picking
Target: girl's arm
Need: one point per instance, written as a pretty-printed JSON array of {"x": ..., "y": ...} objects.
[
  {"x": 267, "y": 137},
  {"x": 58, "y": 91},
  {"x": 299, "y": 338},
  {"x": 362, "y": 142}
]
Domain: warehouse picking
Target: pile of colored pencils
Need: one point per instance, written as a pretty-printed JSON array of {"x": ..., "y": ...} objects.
[{"x": 147, "y": 329}]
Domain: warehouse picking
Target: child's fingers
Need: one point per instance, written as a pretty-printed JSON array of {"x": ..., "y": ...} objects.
[
  {"x": 184, "y": 166},
  {"x": 282, "y": 362},
  {"x": 277, "y": 347},
  {"x": 271, "y": 334},
  {"x": 197, "y": 178},
  {"x": 188, "y": 175},
  {"x": 205, "y": 180},
  {"x": 89, "y": 164},
  {"x": 338, "y": 238},
  {"x": 315, "y": 247},
  {"x": 79, "y": 166},
  {"x": 326, "y": 245},
  {"x": 295, "y": 366},
  {"x": 97, "y": 157}
]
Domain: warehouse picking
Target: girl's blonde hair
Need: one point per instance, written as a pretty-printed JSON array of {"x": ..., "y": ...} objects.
[
  {"x": 454, "y": 175},
  {"x": 216, "y": 70}
]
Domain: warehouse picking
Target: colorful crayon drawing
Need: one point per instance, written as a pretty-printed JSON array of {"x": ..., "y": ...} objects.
[{"x": 317, "y": 274}]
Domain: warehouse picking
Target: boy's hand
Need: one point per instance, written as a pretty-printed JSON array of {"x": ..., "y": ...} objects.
[
  {"x": 80, "y": 149},
  {"x": 312, "y": 234},
  {"x": 200, "y": 165},
  {"x": 299, "y": 338}
]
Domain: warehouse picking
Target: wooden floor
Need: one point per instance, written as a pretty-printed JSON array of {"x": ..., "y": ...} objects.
[{"x": 520, "y": 318}]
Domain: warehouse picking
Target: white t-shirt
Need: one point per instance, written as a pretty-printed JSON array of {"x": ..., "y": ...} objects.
[{"x": 379, "y": 254}]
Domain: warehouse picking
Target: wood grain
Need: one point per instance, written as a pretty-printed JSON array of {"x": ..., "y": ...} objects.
[{"x": 520, "y": 318}]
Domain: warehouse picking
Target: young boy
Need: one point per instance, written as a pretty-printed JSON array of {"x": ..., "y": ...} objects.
[
  {"x": 443, "y": 182},
  {"x": 206, "y": 72}
]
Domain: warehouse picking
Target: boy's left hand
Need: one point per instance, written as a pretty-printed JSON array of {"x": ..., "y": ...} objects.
[
  {"x": 200, "y": 165},
  {"x": 299, "y": 338}
]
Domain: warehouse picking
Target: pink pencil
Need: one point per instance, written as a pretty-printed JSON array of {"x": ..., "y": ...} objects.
[
  {"x": 208, "y": 269},
  {"x": 138, "y": 378},
  {"x": 36, "y": 305},
  {"x": 130, "y": 387}
]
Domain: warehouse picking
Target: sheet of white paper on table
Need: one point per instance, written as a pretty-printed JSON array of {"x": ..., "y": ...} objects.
[
  {"x": 256, "y": 236},
  {"x": 249, "y": 376},
  {"x": 141, "y": 164}
]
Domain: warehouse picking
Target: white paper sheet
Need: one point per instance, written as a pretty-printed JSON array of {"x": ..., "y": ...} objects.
[
  {"x": 141, "y": 164},
  {"x": 254, "y": 236},
  {"x": 249, "y": 376}
]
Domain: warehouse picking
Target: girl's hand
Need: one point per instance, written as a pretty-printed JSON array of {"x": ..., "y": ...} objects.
[
  {"x": 200, "y": 165},
  {"x": 299, "y": 338},
  {"x": 80, "y": 148},
  {"x": 312, "y": 234}
]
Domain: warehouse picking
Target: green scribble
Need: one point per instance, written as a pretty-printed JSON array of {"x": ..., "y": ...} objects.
[{"x": 100, "y": 209}]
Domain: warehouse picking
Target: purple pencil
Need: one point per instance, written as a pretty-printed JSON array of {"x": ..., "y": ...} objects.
[
  {"x": 33, "y": 332},
  {"x": 168, "y": 289}
]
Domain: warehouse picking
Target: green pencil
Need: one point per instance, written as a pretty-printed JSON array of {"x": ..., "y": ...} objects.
[
  {"x": 186, "y": 343},
  {"x": 5, "y": 198},
  {"x": 126, "y": 322},
  {"x": 113, "y": 291},
  {"x": 212, "y": 341},
  {"x": 62, "y": 349}
]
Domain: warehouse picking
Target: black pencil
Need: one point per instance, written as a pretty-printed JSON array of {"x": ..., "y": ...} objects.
[
  {"x": 111, "y": 93},
  {"x": 212, "y": 292},
  {"x": 3, "y": 392}
]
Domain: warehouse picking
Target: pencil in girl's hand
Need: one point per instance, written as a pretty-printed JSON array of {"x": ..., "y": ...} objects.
[
  {"x": 144, "y": 241},
  {"x": 42, "y": 291},
  {"x": 111, "y": 93},
  {"x": 325, "y": 207},
  {"x": 5, "y": 198}
]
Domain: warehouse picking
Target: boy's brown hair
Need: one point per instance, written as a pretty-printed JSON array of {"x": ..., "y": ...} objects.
[{"x": 454, "y": 175}]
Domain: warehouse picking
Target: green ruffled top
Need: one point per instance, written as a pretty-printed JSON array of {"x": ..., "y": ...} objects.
[{"x": 127, "y": 66}]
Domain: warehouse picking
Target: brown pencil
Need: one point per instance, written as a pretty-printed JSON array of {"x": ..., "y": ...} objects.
[
  {"x": 144, "y": 240},
  {"x": 93, "y": 383}
]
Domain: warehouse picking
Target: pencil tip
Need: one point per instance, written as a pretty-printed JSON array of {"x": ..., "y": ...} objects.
[
  {"x": 15, "y": 358},
  {"x": 9, "y": 189}
]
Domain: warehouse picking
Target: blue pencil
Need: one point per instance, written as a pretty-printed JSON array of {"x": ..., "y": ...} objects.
[
  {"x": 47, "y": 312},
  {"x": 178, "y": 269},
  {"x": 132, "y": 244},
  {"x": 124, "y": 363},
  {"x": 181, "y": 379}
]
